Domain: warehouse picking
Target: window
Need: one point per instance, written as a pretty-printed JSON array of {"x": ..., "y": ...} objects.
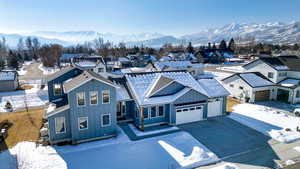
[
  {"x": 60, "y": 126},
  {"x": 298, "y": 94},
  {"x": 57, "y": 89},
  {"x": 270, "y": 74},
  {"x": 93, "y": 97},
  {"x": 146, "y": 113},
  {"x": 241, "y": 87},
  {"x": 80, "y": 99},
  {"x": 178, "y": 110},
  {"x": 153, "y": 111},
  {"x": 231, "y": 85},
  {"x": 160, "y": 110},
  {"x": 100, "y": 69},
  {"x": 198, "y": 107},
  {"x": 105, "y": 120},
  {"x": 193, "y": 108},
  {"x": 105, "y": 97},
  {"x": 185, "y": 110},
  {"x": 283, "y": 74},
  {"x": 83, "y": 123}
]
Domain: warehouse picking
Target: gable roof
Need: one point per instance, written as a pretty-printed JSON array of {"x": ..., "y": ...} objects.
[
  {"x": 253, "y": 79},
  {"x": 274, "y": 62},
  {"x": 289, "y": 82},
  {"x": 84, "y": 77},
  {"x": 175, "y": 65},
  {"x": 160, "y": 83},
  {"x": 140, "y": 83},
  {"x": 213, "y": 87},
  {"x": 60, "y": 72}
]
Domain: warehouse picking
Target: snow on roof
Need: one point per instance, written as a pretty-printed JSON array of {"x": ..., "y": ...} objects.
[
  {"x": 123, "y": 59},
  {"x": 213, "y": 87},
  {"x": 178, "y": 65},
  {"x": 122, "y": 94},
  {"x": 85, "y": 64},
  {"x": 165, "y": 58},
  {"x": 7, "y": 75},
  {"x": 141, "y": 82},
  {"x": 290, "y": 82},
  {"x": 254, "y": 80}
]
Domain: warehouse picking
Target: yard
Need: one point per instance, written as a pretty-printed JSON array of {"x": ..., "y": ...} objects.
[
  {"x": 25, "y": 127},
  {"x": 230, "y": 103}
]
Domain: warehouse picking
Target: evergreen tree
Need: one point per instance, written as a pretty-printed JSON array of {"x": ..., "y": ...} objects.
[
  {"x": 231, "y": 45},
  {"x": 2, "y": 63},
  {"x": 223, "y": 45},
  {"x": 13, "y": 60},
  {"x": 214, "y": 47},
  {"x": 190, "y": 48},
  {"x": 295, "y": 47}
]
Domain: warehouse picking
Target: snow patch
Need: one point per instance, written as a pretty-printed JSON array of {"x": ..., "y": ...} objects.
[
  {"x": 297, "y": 148},
  {"x": 48, "y": 70},
  {"x": 144, "y": 133},
  {"x": 226, "y": 166}
]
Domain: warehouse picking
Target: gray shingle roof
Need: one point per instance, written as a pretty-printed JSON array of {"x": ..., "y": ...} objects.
[{"x": 60, "y": 72}]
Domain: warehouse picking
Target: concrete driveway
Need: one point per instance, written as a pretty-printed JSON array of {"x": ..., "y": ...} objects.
[{"x": 232, "y": 141}]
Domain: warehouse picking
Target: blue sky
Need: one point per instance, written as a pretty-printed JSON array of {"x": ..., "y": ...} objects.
[{"x": 174, "y": 17}]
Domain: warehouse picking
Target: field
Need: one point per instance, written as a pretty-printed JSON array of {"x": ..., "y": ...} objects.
[{"x": 25, "y": 127}]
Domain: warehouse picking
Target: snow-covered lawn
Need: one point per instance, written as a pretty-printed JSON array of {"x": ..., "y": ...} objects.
[
  {"x": 48, "y": 70},
  {"x": 19, "y": 99},
  {"x": 226, "y": 166},
  {"x": 269, "y": 121},
  {"x": 235, "y": 69},
  {"x": 177, "y": 150}
]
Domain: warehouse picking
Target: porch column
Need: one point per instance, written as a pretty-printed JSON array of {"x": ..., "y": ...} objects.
[{"x": 142, "y": 118}]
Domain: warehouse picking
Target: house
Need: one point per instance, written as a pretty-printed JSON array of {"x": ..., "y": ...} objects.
[
  {"x": 93, "y": 63},
  {"x": 283, "y": 72},
  {"x": 93, "y": 105},
  {"x": 194, "y": 68},
  {"x": 8, "y": 80},
  {"x": 179, "y": 56},
  {"x": 250, "y": 86},
  {"x": 67, "y": 57}
]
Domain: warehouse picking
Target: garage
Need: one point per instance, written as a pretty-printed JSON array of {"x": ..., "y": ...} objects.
[
  {"x": 283, "y": 95},
  {"x": 262, "y": 95},
  {"x": 190, "y": 114},
  {"x": 214, "y": 107}
]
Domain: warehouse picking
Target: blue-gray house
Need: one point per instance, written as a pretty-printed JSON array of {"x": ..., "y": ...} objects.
[{"x": 93, "y": 105}]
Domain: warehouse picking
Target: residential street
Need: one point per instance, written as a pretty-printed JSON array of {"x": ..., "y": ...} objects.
[{"x": 33, "y": 72}]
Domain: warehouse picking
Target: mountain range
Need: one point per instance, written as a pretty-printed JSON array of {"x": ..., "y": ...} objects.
[{"x": 277, "y": 32}]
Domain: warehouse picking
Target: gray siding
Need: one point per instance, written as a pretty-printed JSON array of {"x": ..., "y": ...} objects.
[
  {"x": 93, "y": 112},
  {"x": 170, "y": 89},
  {"x": 8, "y": 85}
]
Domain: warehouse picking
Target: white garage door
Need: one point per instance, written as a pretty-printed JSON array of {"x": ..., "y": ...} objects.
[
  {"x": 187, "y": 115},
  {"x": 214, "y": 108}
]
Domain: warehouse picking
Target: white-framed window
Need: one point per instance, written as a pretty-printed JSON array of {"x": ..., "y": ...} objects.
[
  {"x": 83, "y": 123},
  {"x": 100, "y": 70},
  {"x": 270, "y": 74},
  {"x": 93, "y": 97},
  {"x": 298, "y": 94},
  {"x": 105, "y": 97},
  {"x": 241, "y": 87},
  {"x": 146, "y": 112},
  {"x": 57, "y": 89},
  {"x": 153, "y": 111},
  {"x": 105, "y": 120},
  {"x": 80, "y": 99},
  {"x": 231, "y": 85},
  {"x": 161, "y": 110},
  {"x": 60, "y": 125}
]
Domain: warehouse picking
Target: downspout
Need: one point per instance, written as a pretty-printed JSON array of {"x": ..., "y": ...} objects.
[{"x": 142, "y": 119}]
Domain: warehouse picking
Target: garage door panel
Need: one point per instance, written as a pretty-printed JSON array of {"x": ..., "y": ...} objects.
[
  {"x": 262, "y": 95},
  {"x": 214, "y": 108},
  {"x": 187, "y": 115}
]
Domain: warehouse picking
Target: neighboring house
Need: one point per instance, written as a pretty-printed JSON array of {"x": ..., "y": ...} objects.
[
  {"x": 282, "y": 71},
  {"x": 93, "y": 63},
  {"x": 94, "y": 105},
  {"x": 8, "y": 80},
  {"x": 67, "y": 57},
  {"x": 141, "y": 59},
  {"x": 250, "y": 87},
  {"x": 179, "y": 56},
  {"x": 194, "y": 68}
]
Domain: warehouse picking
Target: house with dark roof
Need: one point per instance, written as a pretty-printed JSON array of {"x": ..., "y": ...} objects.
[
  {"x": 282, "y": 71},
  {"x": 92, "y": 105}
]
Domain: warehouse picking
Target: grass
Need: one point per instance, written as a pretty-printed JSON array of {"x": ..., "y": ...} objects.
[
  {"x": 25, "y": 126},
  {"x": 230, "y": 103}
]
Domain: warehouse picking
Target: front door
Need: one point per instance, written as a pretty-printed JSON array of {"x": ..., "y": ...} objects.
[{"x": 121, "y": 109}]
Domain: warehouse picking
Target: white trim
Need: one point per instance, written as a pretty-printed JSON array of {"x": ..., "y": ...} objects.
[
  {"x": 56, "y": 112},
  {"x": 84, "y": 101},
  {"x": 64, "y": 121},
  {"x": 96, "y": 97},
  {"x": 166, "y": 85},
  {"x": 108, "y": 96},
  {"x": 87, "y": 123},
  {"x": 67, "y": 91},
  {"x": 105, "y": 114}
]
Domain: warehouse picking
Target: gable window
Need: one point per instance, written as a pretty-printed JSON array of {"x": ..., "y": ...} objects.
[
  {"x": 153, "y": 111},
  {"x": 241, "y": 87},
  {"x": 283, "y": 74},
  {"x": 80, "y": 99},
  {"x": 270, "y": 74},
  {"x": 60, "y": 126},
  {"x": 93, "y": 97},
  {"x": 83, "y": 123},
  {"x": 105, "y": 97},
  {"x": 105, "y": 120},
  {"x": 146, "y": 113},
  {"x": 57, "y": 89},
  {"x": 160, "y": 110},
  {"x": 100, "y": 69},
  {"x": 298, "y": 94},
  {"x": 231, "y": 85}
]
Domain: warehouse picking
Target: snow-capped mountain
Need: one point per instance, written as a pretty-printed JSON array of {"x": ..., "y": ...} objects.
[{"x": 270, "y": 32}]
